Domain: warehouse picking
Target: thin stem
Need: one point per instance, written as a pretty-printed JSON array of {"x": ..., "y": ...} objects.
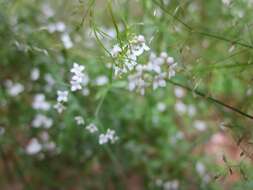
[{"x": 203, "y": 95}]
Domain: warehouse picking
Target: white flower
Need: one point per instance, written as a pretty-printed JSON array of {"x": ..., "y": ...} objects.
[
  {"x": 172, "y": 70},
  {"x": 33, "y": 147},
  {"x": 2, "y": 131},
  {"x": 79, "y": 120},
  {"x": 77, "y": 69},
  {"x": 200, "y": 125},
  {"x": 85, "y": 91},
  {"x": 200, "y": 168},
  {"x": 170, "y": 60},
  {"x": 62, "y": 96},
  {"x": 42, "y": 121},
  {"x": 226, "y": 2},
  {"x": 47, "y": 10},
  {"x": 159, "y": 81},
  {"x": 101, "y": 80},
  {"x": 59, "y": 107},
  {"x": 191, "y": 110},
  {"x": 161, "y": 107},
  {"x": 180, "y": 107},
  {"x": 171, "y": 185},
  {"x": 179, "y": 92},
  {"x": 35, "y": 74},
  {"x": 115, "y": 50},
  {"x": 108, "y": 136},
  {"x": 39, "y": 103},
  {"x": 66, "y": 41},
  {"x": 14, "y": 89},
  {"x": 92, "y": 128},
  {"x": 103, "y": 139},
  {"x": 130, "y": 52},
  {"x": 75, "y": 86},
  {"x": 56, "y": 27},
  {"x": 79, "y": 78}
]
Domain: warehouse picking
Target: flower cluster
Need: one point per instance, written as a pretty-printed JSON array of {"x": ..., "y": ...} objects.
[
  {"x": 154, "y": 73},
  {"x": 109, "y": 136},
  {"x": 62, "y": 96},
  {"x": 126, "y": 56},
  {"x": 37, "y": 145},
  {"x": 79, "y": 78}
]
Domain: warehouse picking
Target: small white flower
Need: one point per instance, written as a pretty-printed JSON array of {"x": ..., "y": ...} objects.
[
  {"x": 42, "y": 121},
  {"x": 79, "y": 79},
  {"x": 179, "y": 92},
  {"x": 75, "y": 86},
  {"x": 171, "y": 185},
  {"x": 200, "y": 168},
  {"x": 77, "y": 69},
  {"x": 62, "y": 96},
  {"x": 85, "y": 91},
  {"x": 180, "y": 107},
  {"x": 170, "y": 60},
  {"x": 159, "y": 81},
  {"x": 14, "y": 89},
  {"x": 103, "y": 139},
  {"x": 92, "y": 128},
  {"x": 110, "y": 134},
  {"x": 33, "y": 147},
  {"x": 161, "y": 107},
  {"x": 2, "y": 131},
  {"x": 66, "y": 41},
  {"x": 79, "y": 120},
  {"x": 35, "y": 74},
  {"x": 59, "y": 107},
  {"x": 191, "y": 110},
  {"x": 101, "y": 80},
  {"x": 172, "y": 70},
  {"x": 39, "y": 103},
  {"x": 200, "y": 125},
  {"x": 116, "y": 50}
]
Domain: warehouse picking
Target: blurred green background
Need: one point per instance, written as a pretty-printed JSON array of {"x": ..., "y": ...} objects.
[{"x": 171, "y": 138}]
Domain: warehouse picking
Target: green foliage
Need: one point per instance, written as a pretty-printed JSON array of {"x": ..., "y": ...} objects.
[{"x": 166, "y": 135}]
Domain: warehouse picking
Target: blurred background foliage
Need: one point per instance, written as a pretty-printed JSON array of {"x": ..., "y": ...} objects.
[{"x": 170, "y": 138}]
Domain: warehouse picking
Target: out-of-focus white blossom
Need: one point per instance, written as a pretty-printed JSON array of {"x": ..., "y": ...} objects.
[
  {"x": 56, "y": 27},
  {"x": 79, "y": 78},
  {"x": 109, "y": 136},
  {"x": 101, "y": 80},
  {"x": 2, "y": 131},
  {"x": 39, "y": 103},
  {"x": 62, "y": 96},
  {"x": 14, "y": 89},
  {"x": 35, "y": 74},
  {"x": 79, "y": 120},
  {"x": 92, "y": 128},
  {"x": 59, "y": 107},
  {"x": 180, "y": 107},
  {"x": 33, "y": 147},
  {"x": 66, "y": 40},
  {"x": 42, "y": 121},
  {"x": 103, "y": 139},
  {"x": 171, "y": 185},
  {"x": 47, "y": 10},
  {"x": 161, "y": 107},
  {"x": 200, "y": 125},
  {"x": 191, "y": 110},
  {"x": 200, "y": 168},
  {"x": 179, "y": 92}
]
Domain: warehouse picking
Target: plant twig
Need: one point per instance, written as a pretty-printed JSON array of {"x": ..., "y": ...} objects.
[{"x": 203, "y": 95}]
